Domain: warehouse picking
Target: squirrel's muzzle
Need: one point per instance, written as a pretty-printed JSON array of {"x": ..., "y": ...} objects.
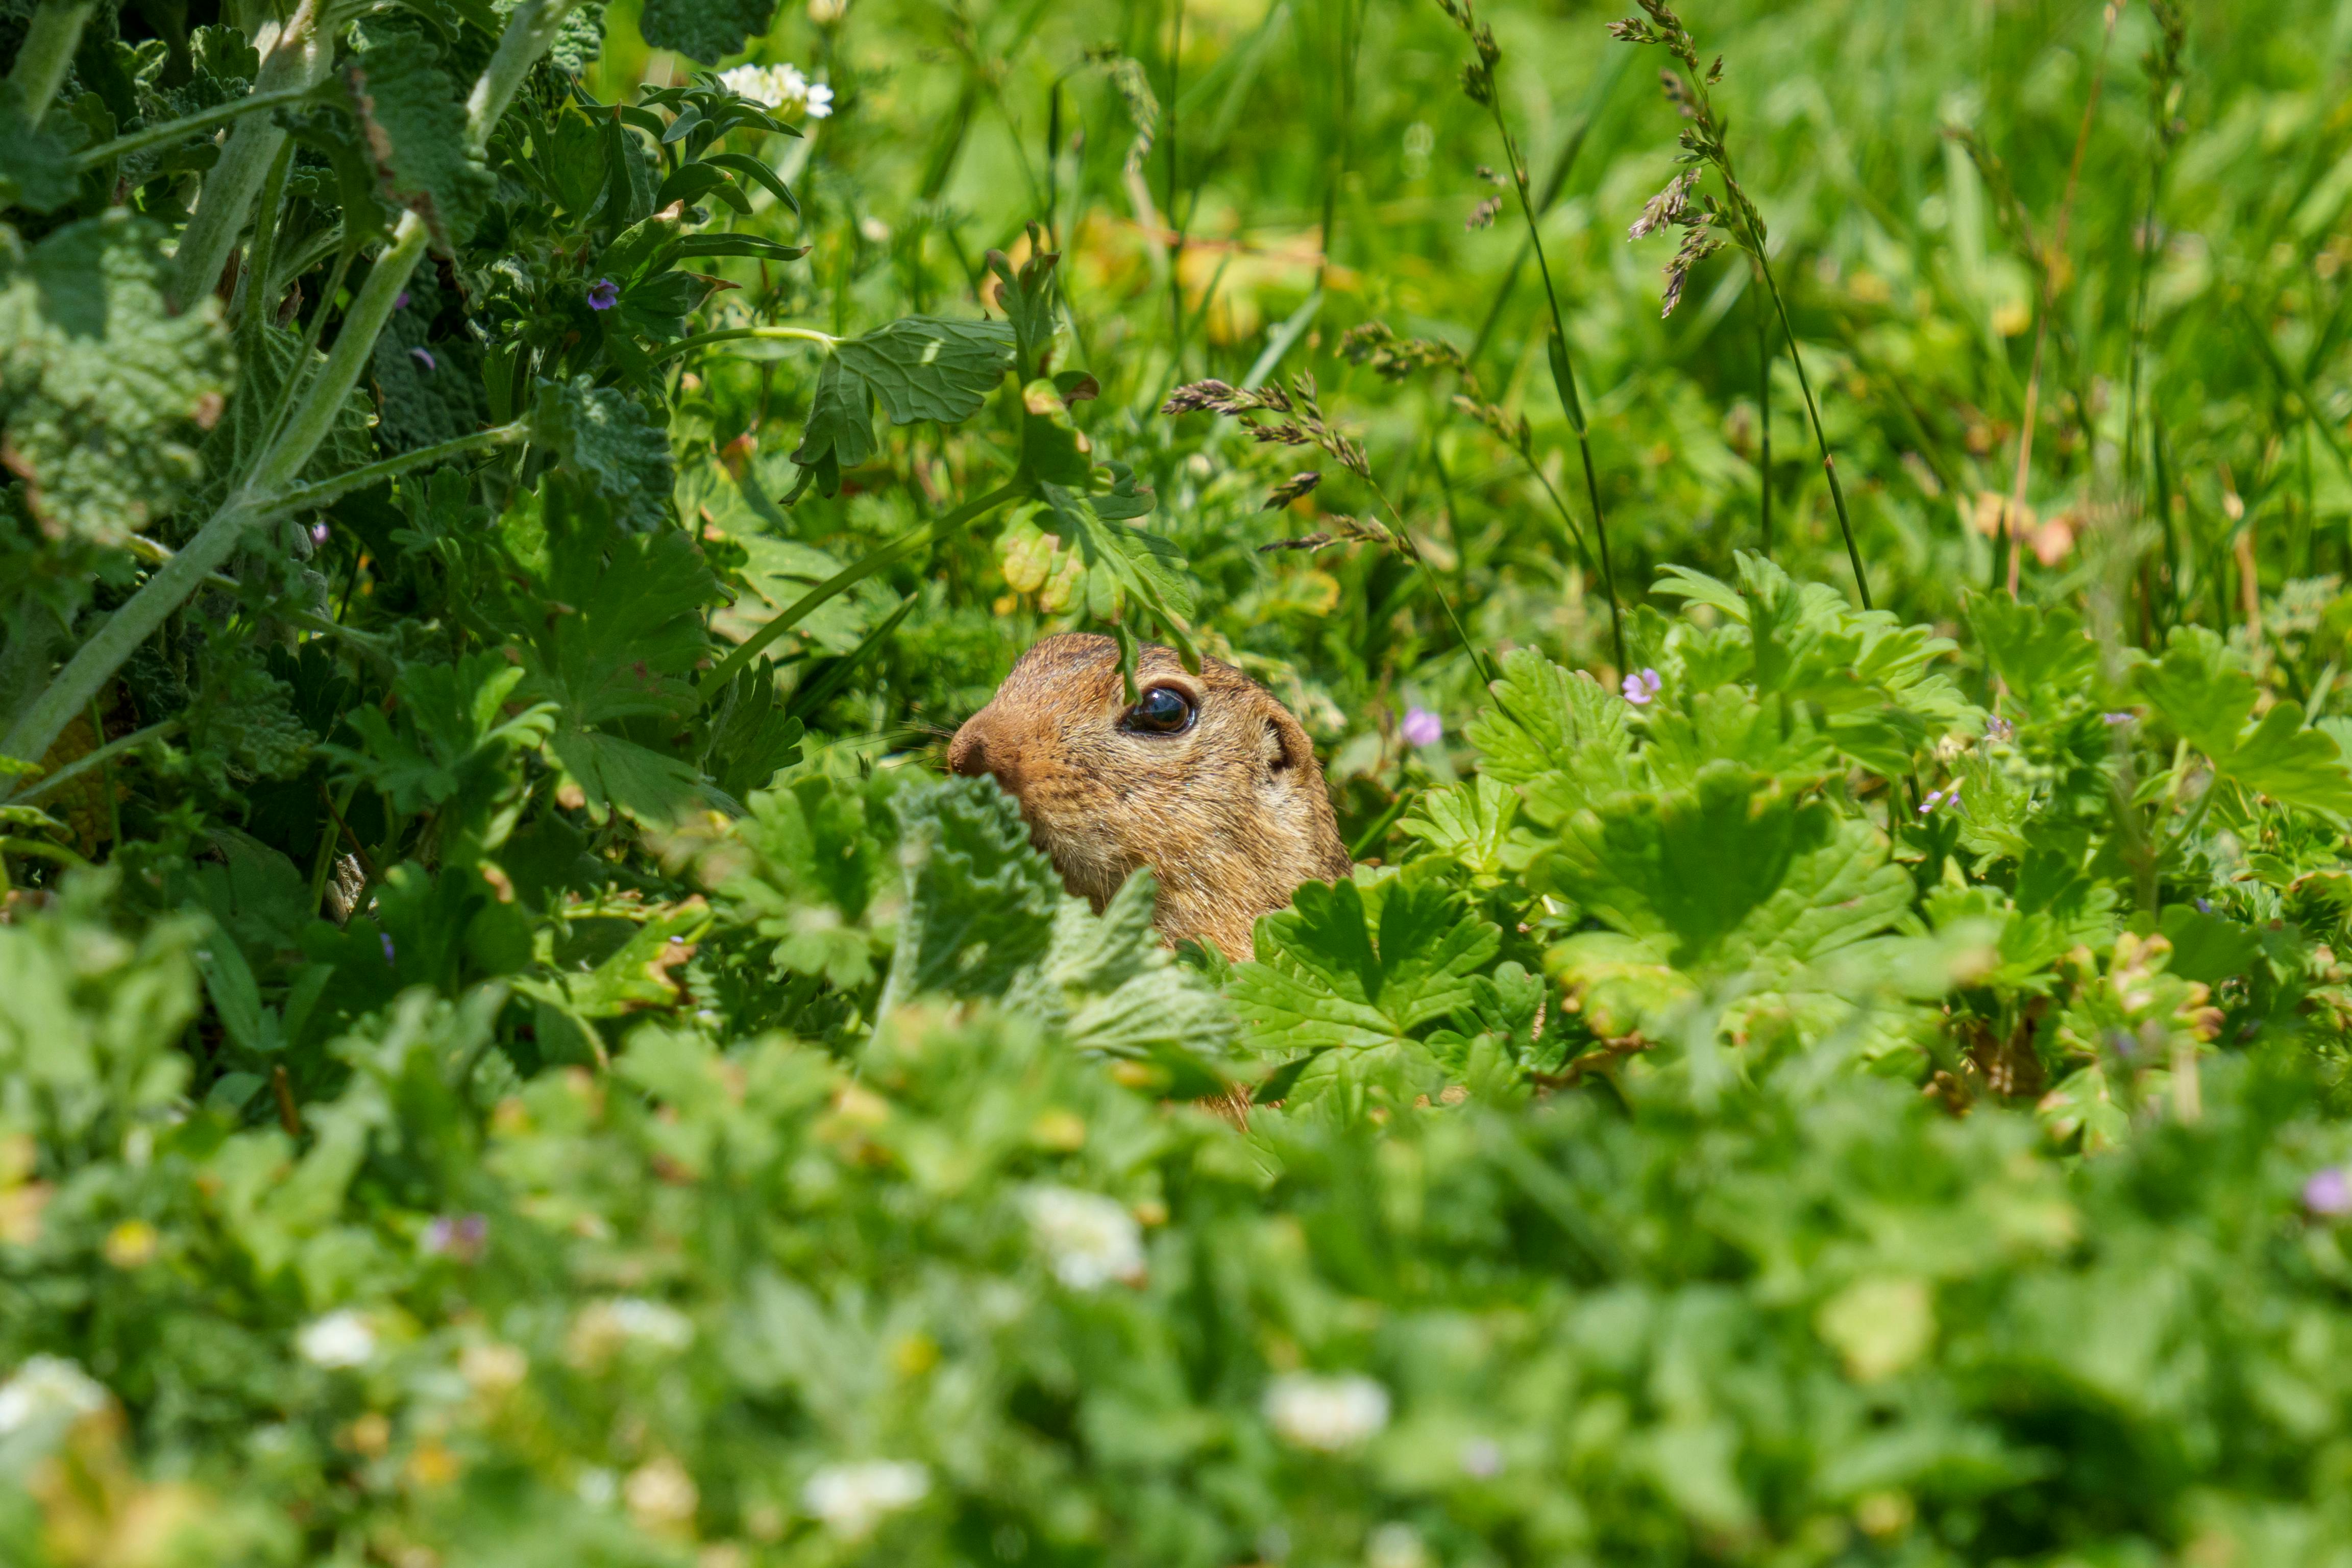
[{"x": 971, "y": 755}]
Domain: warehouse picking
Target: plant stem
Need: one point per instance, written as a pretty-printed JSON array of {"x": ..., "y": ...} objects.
[
  {"x": 2051, "y": 260},
  {"x": 43, "y": 59},
  {"x": 1764, "y": 426},
  {"x": 738, "y": 335},
  {"x": 1564, "y": 379},
  {"x": 297, "y": 59},
  {"x": 906, "y": 544},
  {"x": 253, "y": 281},
  {"x": 161, "y": 730},
  {"x": 1820, "y": 437},
  {"x": 309, "y": 498},
  {"x": 187, "y": 125}
]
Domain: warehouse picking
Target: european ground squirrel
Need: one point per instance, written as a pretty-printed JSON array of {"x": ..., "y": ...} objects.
[{"x": 1205, "y": 778}]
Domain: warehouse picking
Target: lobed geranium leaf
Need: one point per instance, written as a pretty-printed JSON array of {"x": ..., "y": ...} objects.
[{"x": 105, "y": 392}]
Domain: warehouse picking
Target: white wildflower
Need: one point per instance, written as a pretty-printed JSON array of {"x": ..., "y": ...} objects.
[
  {"x": 650, "y": 1323},
  {"x": 1329, "y": 1415},
  {"x": 45, "y": 1388},
  {"x": 338, "y": 1340},
  {"x": 780, "y": 86},
  {"x": 852, "y": 1498},
  {"x": 1395, "y": 1545},
  {"x": 1091, "y": 1239}
]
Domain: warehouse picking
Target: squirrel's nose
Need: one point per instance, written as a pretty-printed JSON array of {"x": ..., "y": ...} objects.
[{"x": 967, "y": 754}]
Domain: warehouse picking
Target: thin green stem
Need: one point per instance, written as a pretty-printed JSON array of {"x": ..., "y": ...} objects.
[
  {"x": 161, "y": 730},
  {"x": 51, "y": 35},
  {"x": 185, "y": 126},
  {"x": 1564, "y": 381},
  {"x": 253, "y": 282},
  {"x": 739, "y": 334},
  {"x": 1820, "y": 437},
  {"x": 325, "y": 493},
  {"x": 841, "y": 581}
]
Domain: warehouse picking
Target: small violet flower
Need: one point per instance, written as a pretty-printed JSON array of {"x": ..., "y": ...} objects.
[
  {"x": 1423, "y": 727},
  {"x": 1942, "y": 797},
  {"x": 603, "y": 294},
  {"x": 459, "y": 1236},
  {"x": 424, "y": 356},
  {"x": 319, "y": 532},
  {"x": 2117, "y": 718},
  {"x": 1998, "y": 729},
  {"x": 385, "y": 937},
  {"x": 2328, "y": 1192},
  {"x": 1640, "y": 688},
  {"x": 401, "y": 303}
]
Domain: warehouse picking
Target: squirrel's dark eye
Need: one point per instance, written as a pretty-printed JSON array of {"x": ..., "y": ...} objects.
[{"x": 1161, "y": 711}]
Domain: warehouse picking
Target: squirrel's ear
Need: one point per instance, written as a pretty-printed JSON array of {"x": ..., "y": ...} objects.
[{"x": 1284, "y": 745}]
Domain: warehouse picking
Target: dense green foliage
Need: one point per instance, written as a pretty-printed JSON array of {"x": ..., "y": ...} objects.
[{"x": 510, "y": 1051}]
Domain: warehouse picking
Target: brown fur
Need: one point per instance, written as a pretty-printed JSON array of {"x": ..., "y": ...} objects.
[{"x": 1231, "y": 814}]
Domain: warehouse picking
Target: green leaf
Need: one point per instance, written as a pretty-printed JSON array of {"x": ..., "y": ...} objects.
[
  {"x": 612, "y": 638},
  {"x": 980, "y": 900},
  {"x": 1732, "y": 875},
  {"x": 104, "y": 391},
  {"x": 1468, "y": 824},
  {"x": 446, "y": 734},
  {"x": 2040, "y": 652},
  {"x": 705, "y": 30},
  {"x": 751, "y": 735},
  {"x": 817, "y": 862},
  {"x": 35, "y": 172},
  {"x": 230, "y": 449},
  {"x": 1547, "y": 720},
  {"x": 607, "y": 438},
  {"x": 2206, "y": 700},
  {"x": 415, "y": 121},
  {"x": 923, "y": 367},
  {"x": 1362, "y": 962}
]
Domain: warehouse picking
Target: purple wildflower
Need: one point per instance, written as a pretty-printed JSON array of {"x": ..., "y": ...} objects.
[
  {"x": 1942, "y": 797},
  {"x": 603, "y": 294},
  {"x": 401, "y": 303},
  {"x": 1423, "y": 727},
  {"x": 385, "y": 937},
  {"x": 2204, "y": 906},
  {"x": 2117, "y": 718},
  {"x": 1999, "y": 729},
  {"x": 1640, "y": 688},
  {"x": 320, "y": 532},
  {"x": 459, "y": 1236},
  {"x": 424, "y": 357},
  {"x": 2328, "y": 1192}
]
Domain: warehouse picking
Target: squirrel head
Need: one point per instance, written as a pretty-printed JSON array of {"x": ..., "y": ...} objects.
[{"x": 1205, "y": 778}]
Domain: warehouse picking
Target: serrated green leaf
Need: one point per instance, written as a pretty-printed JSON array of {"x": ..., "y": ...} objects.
[
  {"x": 922, "y": 367},
  {"x": 1362, "y": 962},
  {"x": 1468, "y": 824},
  {"x": 980, "y": 900},
  {"x": 104, "y": 391},
  {"x": 1547, "y": 720},
  {"x": 2206, "y": 700},
  {"x": 414, "y": 119},
  {"x": 705, "y": 30},
  {"x": 36, "y": 172},
  {"x": 608, "y": 438}
]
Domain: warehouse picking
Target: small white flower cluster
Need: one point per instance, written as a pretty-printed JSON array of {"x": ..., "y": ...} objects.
[
  {"x": 851, "y": 1499},
  {"x": 337, "y": 1341},
  {"x": 1091, "y": 1239},
  {"x": 651, "y": 1323},
  {"x": 47, "y": 1388},
  {"x": 780, "y": 86},
  {"x": 1329, "y": 1415}
]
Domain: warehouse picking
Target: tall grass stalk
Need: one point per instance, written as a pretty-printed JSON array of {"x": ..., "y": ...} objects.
[
  {"x": 1478, "y": 84},
  {"x": 1702, "y": 144},
  {"x": 2050, "y": 265}
]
